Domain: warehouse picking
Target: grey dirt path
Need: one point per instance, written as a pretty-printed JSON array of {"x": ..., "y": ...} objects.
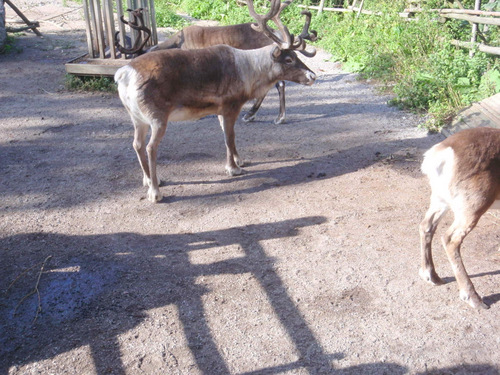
[{"x": 306, "y": 264}]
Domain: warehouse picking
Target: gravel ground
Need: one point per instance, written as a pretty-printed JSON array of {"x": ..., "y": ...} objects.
[{"x": 306, "y": 264}]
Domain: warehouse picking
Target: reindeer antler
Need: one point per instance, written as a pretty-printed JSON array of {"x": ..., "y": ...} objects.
[
  {"x": 300, "y": 41},
  {"x": 136, "y": 23},
  {"x": 306, "y": 34},
  {"x": 287, "y": 40},
  {"x": 274, "y": 12}
]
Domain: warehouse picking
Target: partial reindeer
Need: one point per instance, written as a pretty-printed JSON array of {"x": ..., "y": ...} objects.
[
  {"x": 178, "y": 85},
  {"x": 464, "y": 175},
  {"x": 241, "y": 36}
]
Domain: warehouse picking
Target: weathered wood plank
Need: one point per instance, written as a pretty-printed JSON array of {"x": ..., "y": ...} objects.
[
  {"x": 100, "y": 31},
  {"x": 484, "y": 113},
  {"x": 88, "y": 29},
  {"x": 94, "y": 67},
  {"x": 109, "y": 26}
]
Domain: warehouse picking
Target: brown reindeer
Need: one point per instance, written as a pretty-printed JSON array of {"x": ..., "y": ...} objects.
[
  {"x": 177, "y": 85},
  {"x": 241, "y": 36},
  {"x": 464, "y": 174}
]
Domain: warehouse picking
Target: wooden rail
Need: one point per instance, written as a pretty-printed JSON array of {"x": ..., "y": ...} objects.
[{"x": 473, "y": 16}]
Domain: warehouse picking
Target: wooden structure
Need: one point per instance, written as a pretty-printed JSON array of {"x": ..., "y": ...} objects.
[
  {"x": 102, "y": 23},
  {"x": 355, "y": 6},
  {"x": 32, "y": 25},
  {"x": 473, "y": 16},
  {"x": 483, "y": 113}
]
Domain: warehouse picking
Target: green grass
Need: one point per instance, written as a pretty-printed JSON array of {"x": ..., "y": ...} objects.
[
  {"x": 413, "y": 58},
  {"x": 166, "y": 15},
  {"x": 90, "y": 83},
  {"x": 10, "y": 46}
]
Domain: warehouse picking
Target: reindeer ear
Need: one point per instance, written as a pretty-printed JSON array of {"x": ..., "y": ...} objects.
[{"x": 276, "y": 53}]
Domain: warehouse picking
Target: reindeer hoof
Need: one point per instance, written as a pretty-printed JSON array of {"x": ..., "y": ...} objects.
[
  {"x": 249, "y": 117},
  {"x": 279, "y": 120},
  {"x": 474, "y": 301},
  {"x": 154, "y": 195},
  {"x": 239, "y": 162},
  {"x": 430, "y": 277},
  {"x": 231, "y": 171},
  {"x": 483, "y": 306}
]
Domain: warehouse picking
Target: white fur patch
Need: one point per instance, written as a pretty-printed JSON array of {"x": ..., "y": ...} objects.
[
  {"x": 439, "y": 165},
  {"x": 126, "y": 78}
]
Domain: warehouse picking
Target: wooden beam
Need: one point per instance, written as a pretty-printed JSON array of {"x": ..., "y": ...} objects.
[
  {"x": 473, "y": 19},
  {"x": 23, "y": 17},
  {"x": 341, "y": 10},
  {"x": 481, "y": 47},
  {"x": 468, "y": 11}
]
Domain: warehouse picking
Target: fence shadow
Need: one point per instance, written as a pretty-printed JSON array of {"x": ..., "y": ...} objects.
[{"x": 99, "y": 286}]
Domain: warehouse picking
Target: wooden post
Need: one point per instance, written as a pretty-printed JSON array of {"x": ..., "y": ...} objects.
[
  {"x": 134, "y": 34},
  {"x": 121, "y": 26},
  {"x": 110, "y": 26},
  {"x": 477, "y": 6},
  {"x": 321, "y": 6},
  {"x": 88, "y": 28},
  {"x": 154, "y": 34},
  {"x": 93, "y": 28},
  {"x": 360, "y": 8},
  {"x": 3, "y": 33},
  {"x": 99, "y": 29}
]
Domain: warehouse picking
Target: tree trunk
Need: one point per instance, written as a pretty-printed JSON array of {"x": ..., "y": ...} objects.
[{"x": 3, "y": 33}]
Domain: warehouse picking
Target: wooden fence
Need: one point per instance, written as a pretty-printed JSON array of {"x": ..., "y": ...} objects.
[
  {"x": 473, "y": 16},
  {"x": 102, "y": 21}
]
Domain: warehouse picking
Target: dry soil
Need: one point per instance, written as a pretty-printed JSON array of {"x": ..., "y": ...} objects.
[{"x": 306, "y": 264}]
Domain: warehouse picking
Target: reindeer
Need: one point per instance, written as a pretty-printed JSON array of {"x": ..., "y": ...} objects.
[
  {"x": 241, "y": 36},
  {"x": 177, "y": 85},
  {"x": 464, "y": 175}
]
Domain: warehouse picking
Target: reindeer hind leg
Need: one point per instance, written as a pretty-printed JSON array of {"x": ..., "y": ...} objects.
[
  {"x": 139, "y": 144},
  {"x": 250, "y": 115},
  {"x": 427, "y": 229},
  {"x": 158, "y": 129},
  {"x": 466, "y": 218}
]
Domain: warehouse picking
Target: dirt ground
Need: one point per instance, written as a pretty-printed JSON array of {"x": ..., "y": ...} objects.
[{"x": 306, "y": 264}]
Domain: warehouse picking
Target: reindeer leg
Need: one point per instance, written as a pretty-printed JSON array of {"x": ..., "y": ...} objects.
[
  {"x": 280, "y": 86},
  {"x": 427, "y": 229},
  {"x": 139, "y": 144},
  {"x": 157, "y": 132},
  {"x": 233, "y": 162},
  {"x": 452, "y": 241},
  {"x": 250, "y": 115}
]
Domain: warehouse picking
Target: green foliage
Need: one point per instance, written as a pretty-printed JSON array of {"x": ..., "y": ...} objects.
[
  {"x": 414, "y": 58},
  {"x": 10, "y": 46},
  {"x": 166, "y": 16},
  {"x": 90, "y": 83},
  {"x": 224, "y": 11}
]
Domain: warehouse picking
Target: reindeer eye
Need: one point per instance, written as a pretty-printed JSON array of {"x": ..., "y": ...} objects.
[{"x": 289, "y": 60}]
